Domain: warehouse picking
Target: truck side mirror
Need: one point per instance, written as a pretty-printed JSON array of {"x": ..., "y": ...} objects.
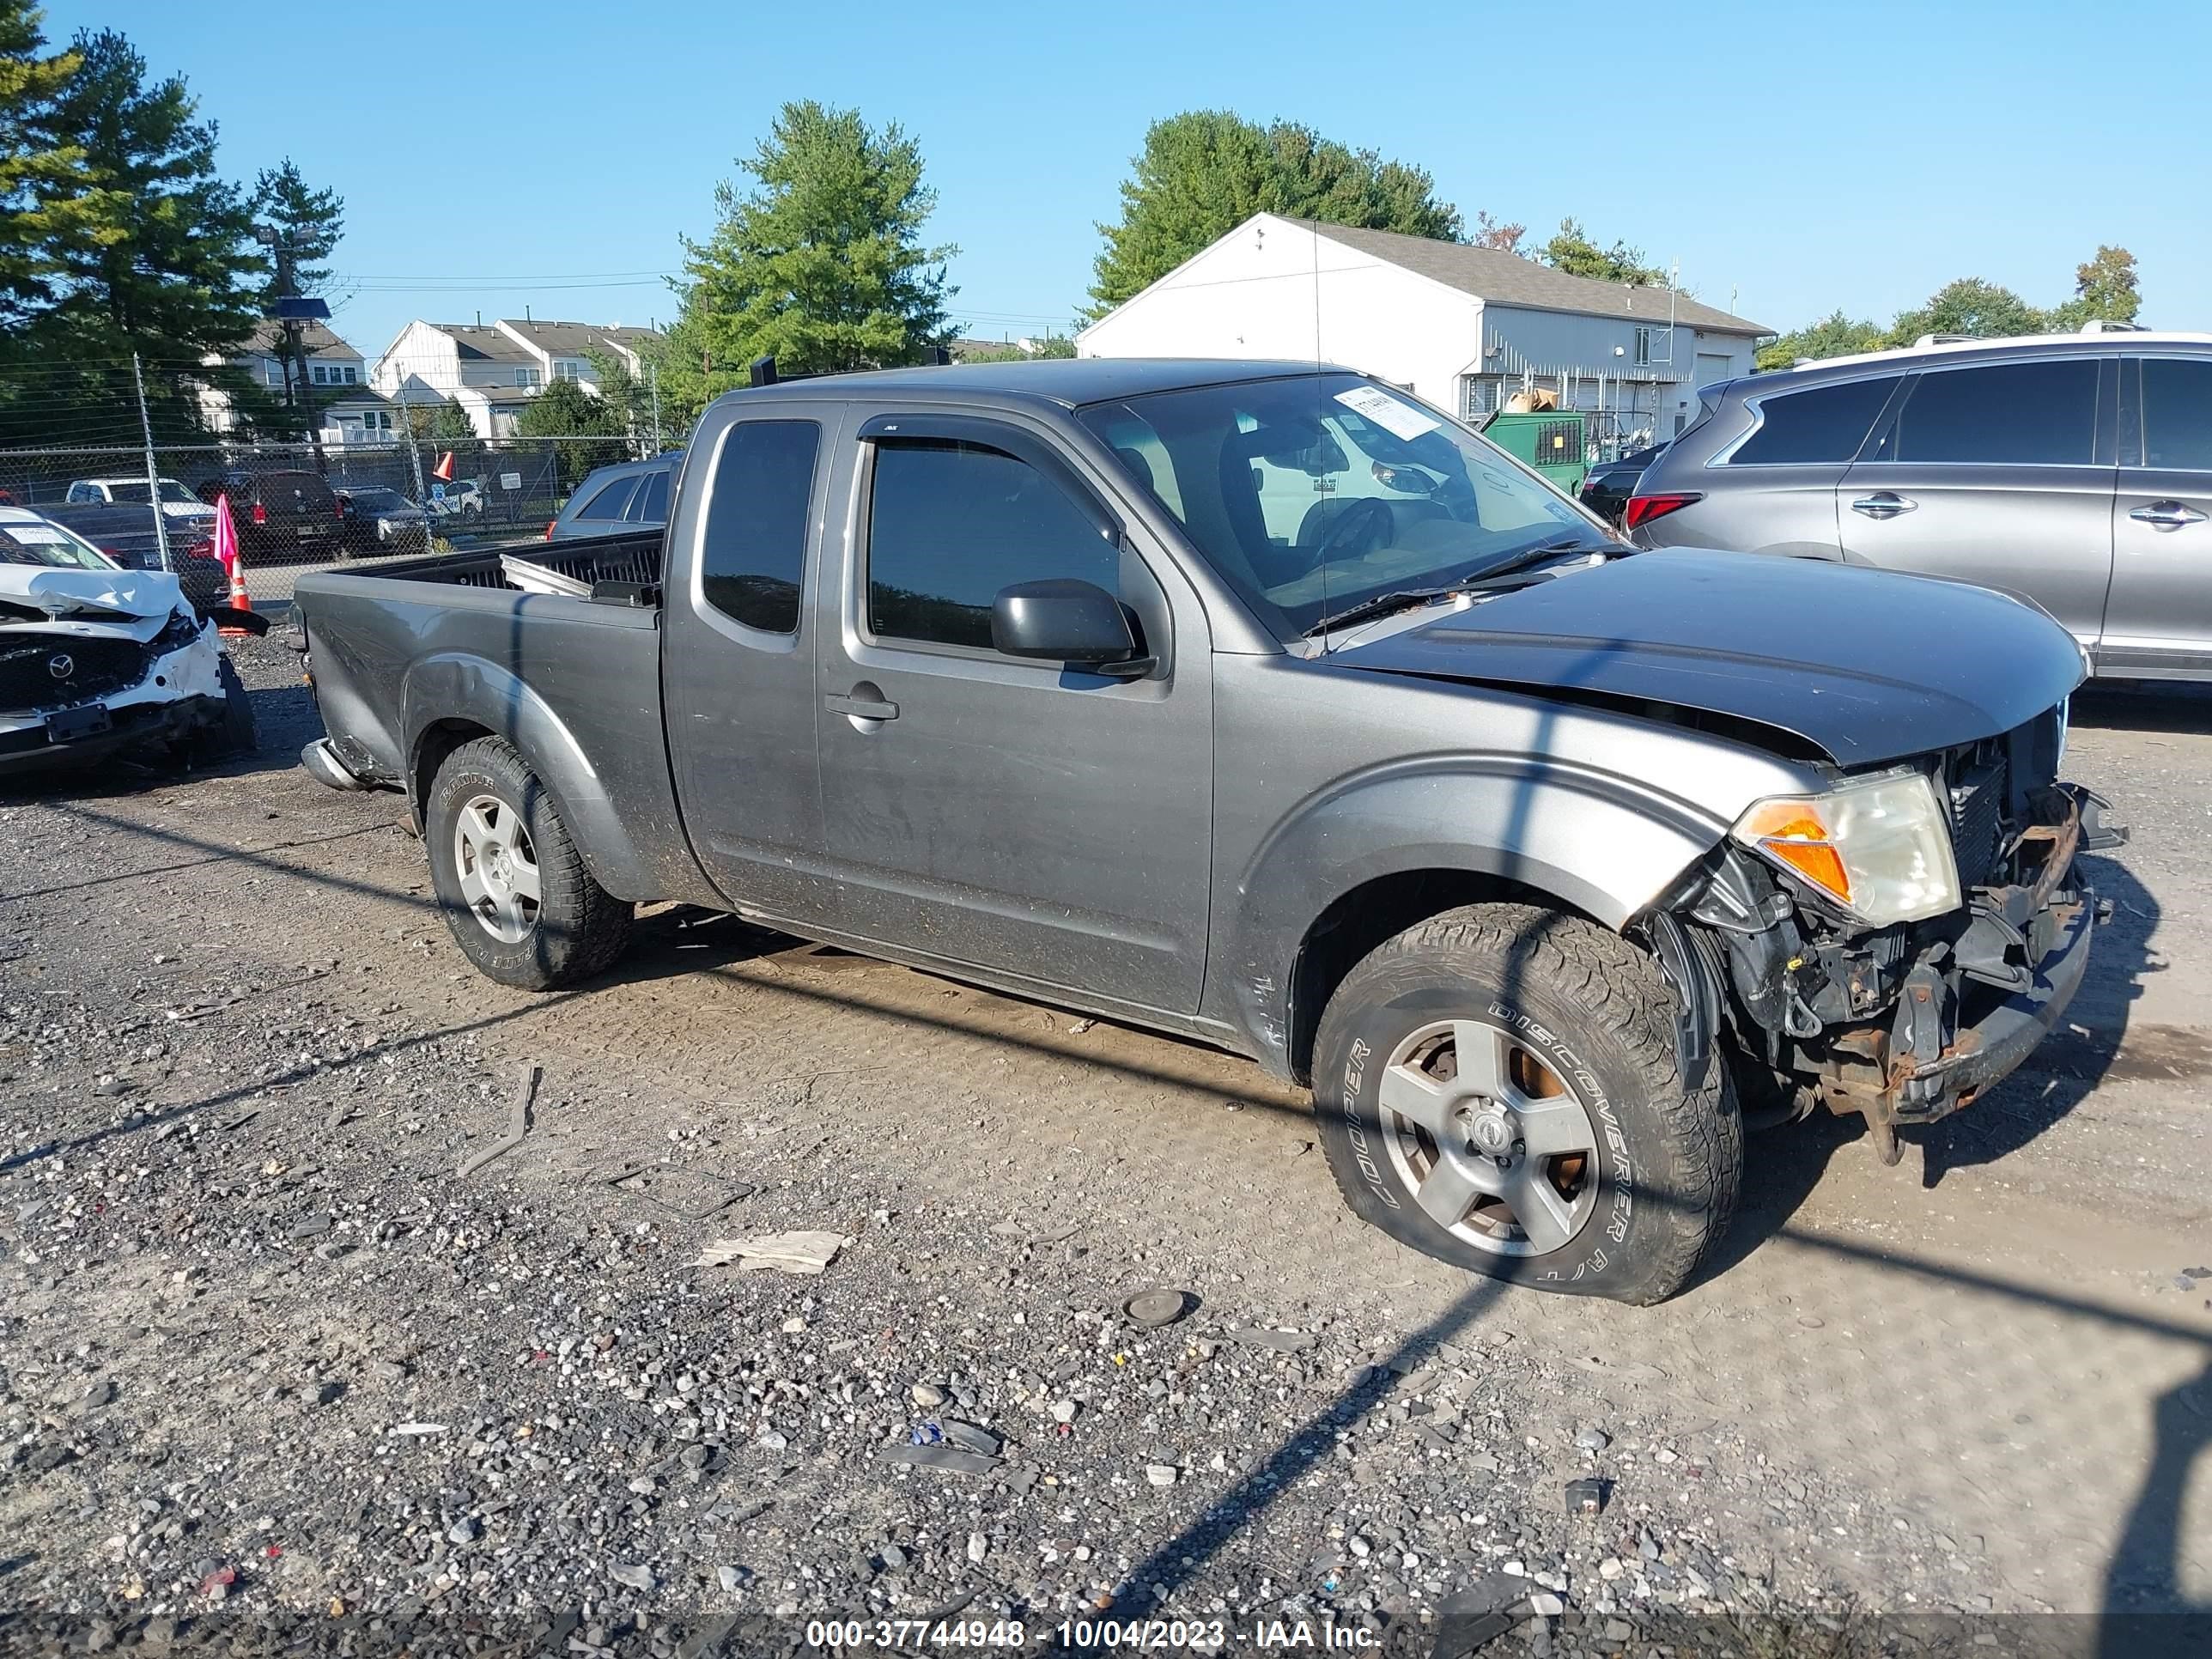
[{"x": 1066, "y": 621}]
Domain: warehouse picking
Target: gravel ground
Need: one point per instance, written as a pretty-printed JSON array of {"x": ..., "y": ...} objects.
[{"x": 271, "y": 1367}]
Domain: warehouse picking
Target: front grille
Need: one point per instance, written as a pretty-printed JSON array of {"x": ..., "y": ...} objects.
[
  {"x": 1976, "y": 800},
  {"x": 90, "y": 669},
  {"x": 1991, "y": 790}
]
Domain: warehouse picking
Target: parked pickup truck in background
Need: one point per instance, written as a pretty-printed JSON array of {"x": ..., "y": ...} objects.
[{"x": 1267, "y": 706}]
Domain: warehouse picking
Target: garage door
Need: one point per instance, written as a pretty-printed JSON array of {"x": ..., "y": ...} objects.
[{"x": 1712, "y": 368}]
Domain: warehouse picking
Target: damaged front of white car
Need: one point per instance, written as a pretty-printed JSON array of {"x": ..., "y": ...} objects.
[{"x": 94, "y": 660}]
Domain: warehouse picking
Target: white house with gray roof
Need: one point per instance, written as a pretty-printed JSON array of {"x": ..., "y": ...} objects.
[
  {"x": 1462, "y": 327},
  {"x": 472, "y": 365},
  {"x": 338, "y": 384},
  {"x": 492, "y": 370}
]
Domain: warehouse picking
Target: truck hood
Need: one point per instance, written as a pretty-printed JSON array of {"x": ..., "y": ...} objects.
[{"x": 1864, "y": 666}]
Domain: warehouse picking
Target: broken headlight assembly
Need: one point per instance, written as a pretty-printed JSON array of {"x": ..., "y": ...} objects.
[
  {"x": 182, "y": 628},
  {"x": 1880, "y": 846}
]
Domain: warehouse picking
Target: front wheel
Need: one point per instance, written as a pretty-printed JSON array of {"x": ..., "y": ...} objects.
[
  {"x": 1497, "y": 1088},
  {"x": 509, "y": 880}
]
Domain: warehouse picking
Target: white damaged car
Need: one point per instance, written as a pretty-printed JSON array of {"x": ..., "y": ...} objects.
[{"x": 94, "y": 657}]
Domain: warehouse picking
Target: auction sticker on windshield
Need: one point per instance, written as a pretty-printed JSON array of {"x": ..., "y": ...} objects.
[{"x": 1400, "y": 420}]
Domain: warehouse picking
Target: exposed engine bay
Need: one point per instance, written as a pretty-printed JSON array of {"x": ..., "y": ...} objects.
[
  {"x": 95, "y": 660},
  {"x": 1905, "y": 1022}
]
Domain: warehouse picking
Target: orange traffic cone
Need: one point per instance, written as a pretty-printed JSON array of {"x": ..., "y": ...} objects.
[{"x": 240, "y": 599}]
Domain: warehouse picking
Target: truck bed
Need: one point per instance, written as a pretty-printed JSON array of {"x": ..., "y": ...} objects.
[
  {"x": 410, "y": 659},
  {"x": 629, "y": 563}
]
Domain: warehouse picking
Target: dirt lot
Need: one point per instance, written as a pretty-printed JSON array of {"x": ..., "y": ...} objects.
[{"x": 265, "y": 1356}]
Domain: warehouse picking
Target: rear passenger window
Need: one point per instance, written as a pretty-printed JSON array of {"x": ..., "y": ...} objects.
[
  {"x": 950, "y": 524},
  {"x": 1821, "y": 423},
  {"x": 650, "y": 506},
  {"x": 2004, "y": 414},
  {"x": 2177, "y": 413},
  {"x": 753, "y": 555},
  {"x": 610, "y": 502}
]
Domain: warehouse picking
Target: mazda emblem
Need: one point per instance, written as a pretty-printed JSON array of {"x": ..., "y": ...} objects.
[{"x": 61, "y": 665}]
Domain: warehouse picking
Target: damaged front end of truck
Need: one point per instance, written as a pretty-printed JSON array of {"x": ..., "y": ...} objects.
[{"x": 1897, "y": 944}]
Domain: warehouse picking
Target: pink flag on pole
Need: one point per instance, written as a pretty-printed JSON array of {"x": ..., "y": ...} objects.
[{"x": 226, "y": 534}]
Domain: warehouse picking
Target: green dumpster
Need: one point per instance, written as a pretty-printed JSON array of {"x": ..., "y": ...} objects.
[{"x": 1551, "y": 440}]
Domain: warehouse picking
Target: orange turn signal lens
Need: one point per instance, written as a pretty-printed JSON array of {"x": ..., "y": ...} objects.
[
  {"x": 1791, "y": 833},
  {"x": 1818, "y": 862}
]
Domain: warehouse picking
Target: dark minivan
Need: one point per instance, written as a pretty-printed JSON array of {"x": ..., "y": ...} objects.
[{"x": 282, "y": 515}]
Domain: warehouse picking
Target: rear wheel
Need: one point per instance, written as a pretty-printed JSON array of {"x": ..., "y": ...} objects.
[
  {"x": 511, "y": 885},
  {"x": 1498, "y": 1087}
]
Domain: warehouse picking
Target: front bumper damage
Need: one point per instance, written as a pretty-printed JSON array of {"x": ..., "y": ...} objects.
[
  {"x": 1904, "y": 1025},
  {"x": 174, "y": 691},
  {"x": 1972, "y": 1008},
  {"x": 29, "y": 749}
]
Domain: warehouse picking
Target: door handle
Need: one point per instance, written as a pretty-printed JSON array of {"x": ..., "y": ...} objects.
[
  {"x": 2166, "y": 515},
  {"x": 862, "y": 707},
  {"x": 1883, "y": 504}
]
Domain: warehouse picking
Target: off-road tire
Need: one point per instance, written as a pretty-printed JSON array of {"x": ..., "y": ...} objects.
[
  {"x": 1594, "y": 1008},
  {"x": 580, "y": 927}
]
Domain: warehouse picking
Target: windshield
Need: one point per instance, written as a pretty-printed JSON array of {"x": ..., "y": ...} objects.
[
  {"x": 379, "y": 501},
  {"x": 1313, "y": 493},
  {"x": 48, "y": 544},
  {"x": 127, "y": 490}
]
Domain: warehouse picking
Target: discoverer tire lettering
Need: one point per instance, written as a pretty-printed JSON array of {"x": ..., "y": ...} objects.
[{"x": 1580, "y": 1017}]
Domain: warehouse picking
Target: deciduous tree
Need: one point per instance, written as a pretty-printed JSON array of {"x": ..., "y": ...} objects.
[
  {"x": 1970, "y": 305},
  {"x": 2104, "y": 288},
  {"x": 1500, "y": 238},
  {"x": 590, "y": 431},
  {"x": 1833, "y": 335},
  {"x": 1205, "y": 171}
]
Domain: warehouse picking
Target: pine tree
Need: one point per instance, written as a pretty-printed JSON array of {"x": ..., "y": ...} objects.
[
  {"x": 158, "y": 258},
  {"x": 299, "y": 227},
  {"x": 823, "y": 265},
  {"x": 44, "y": 183}
]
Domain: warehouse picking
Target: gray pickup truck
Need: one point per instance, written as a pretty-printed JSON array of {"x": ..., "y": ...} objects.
[{"x": 1264, "y": 705}]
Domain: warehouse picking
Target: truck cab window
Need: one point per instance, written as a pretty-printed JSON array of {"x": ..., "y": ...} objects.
[
  {"x": 753, "y": 553},
  {"x": 950, "y": 524}
]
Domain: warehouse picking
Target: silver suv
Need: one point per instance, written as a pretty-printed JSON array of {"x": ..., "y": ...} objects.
[{"x": 2073, "y": 469}]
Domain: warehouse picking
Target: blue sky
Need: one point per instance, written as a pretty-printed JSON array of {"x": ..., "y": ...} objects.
[{"x": 1800, "y": 157}]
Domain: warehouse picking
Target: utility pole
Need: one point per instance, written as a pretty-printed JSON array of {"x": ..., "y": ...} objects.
[
  {"x": 652, "y": 380},
  {"x": 295, "y": 351},
  {"x": 153, "y": 472}
]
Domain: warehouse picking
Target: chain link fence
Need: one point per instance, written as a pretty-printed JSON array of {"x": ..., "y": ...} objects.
[{"x": 383, "y": 500}]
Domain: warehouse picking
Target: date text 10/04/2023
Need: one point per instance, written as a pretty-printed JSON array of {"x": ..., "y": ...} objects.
[{"x": 1214, "y": 1636}]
